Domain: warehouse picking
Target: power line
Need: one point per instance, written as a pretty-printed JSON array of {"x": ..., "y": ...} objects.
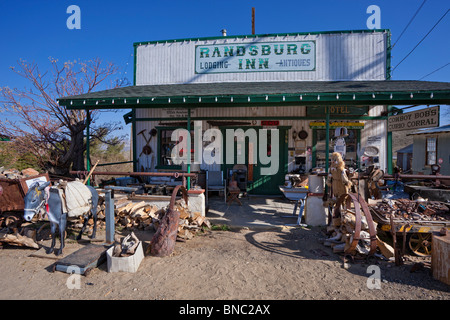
[
  {"x": 435, "y": 71},
  {"x": 415, "y": 14},
  {"x": 421, "y": 39}
]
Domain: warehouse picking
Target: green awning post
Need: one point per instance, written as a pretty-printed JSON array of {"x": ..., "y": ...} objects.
[
  {"x": 133, "y": 134},
  {"x": 389, "y": 143},
  {"x": 327, "y": 142},
  {"x": 189, "y": 147},
  {"x": 88, "y": 155}
]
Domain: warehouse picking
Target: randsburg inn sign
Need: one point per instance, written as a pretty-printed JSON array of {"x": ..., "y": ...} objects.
[{"x": 254, "y": 57}]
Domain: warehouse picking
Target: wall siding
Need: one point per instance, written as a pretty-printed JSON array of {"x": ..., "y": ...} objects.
[{"x": 346, "y": 56}]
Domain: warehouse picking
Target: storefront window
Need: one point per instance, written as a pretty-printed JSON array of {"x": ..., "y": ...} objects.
[
  {"x": 166, "y": 145},
  {"x": 431, "y": 151},
  {"x": 351, "y": 141}
]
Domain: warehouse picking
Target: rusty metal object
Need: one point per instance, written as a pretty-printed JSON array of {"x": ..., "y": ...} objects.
[
  {"x": 163, "y": 242},
  {"x": 12, "y": 195},
  {"x": 359, "y": 204},
  {"x": 412, "y": 210}
]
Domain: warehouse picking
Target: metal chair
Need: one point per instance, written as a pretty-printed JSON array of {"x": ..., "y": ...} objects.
[{"x": 216, "y": 182}]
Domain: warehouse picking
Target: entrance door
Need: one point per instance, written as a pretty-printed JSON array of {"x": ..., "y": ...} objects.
[{"x": 258, "y": 182}]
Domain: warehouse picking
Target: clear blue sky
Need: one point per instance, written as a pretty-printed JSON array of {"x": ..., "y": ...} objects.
[{"x": 36, "y": 29}]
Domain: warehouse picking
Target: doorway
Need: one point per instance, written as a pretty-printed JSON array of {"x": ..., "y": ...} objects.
[{"x": 257, "y": 182}]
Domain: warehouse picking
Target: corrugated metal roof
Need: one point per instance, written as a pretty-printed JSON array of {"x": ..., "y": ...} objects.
[
  {"x": 441, "y": 129},
  {"x": 407, "y": 149},
  {"x": 301, "y": 92}
]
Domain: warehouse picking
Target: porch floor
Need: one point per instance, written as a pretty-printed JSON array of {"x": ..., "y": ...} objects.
[{"x": 256, "y": 212}]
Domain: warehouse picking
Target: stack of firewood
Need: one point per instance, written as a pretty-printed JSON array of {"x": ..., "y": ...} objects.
[{"x": 145, "y": 216}]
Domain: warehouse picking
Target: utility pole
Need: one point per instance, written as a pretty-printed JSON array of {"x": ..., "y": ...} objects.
[{"x": 253, "y": 20}]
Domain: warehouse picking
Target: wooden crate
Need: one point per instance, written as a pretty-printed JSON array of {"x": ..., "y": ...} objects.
[
  {"x": 440, "y": 258},
  {"x": 125, "y": 264}
]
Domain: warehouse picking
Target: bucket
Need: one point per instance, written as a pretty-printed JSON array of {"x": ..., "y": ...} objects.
[{"x": 315, "y": 184}]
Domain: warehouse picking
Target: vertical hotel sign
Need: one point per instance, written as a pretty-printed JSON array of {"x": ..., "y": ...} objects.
[{"x": 256, "y": 57}]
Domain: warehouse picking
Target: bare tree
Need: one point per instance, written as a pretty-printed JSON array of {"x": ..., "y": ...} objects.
[{"x": 39, "y": 125}]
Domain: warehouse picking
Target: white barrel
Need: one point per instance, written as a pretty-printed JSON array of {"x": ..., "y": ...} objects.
[{"x": 315, "y": 183}]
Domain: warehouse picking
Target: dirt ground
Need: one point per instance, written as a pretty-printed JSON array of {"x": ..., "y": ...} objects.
[{"x": 290, "y": 264}]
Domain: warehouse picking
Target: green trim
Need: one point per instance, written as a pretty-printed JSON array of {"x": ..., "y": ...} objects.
[
  {"x": 389, "y": 143},
  {"x": 88, "y": 154},
  {"x": 298, "y": 99},
  {"x": 388, "y": 56},
  {"x": 128, "y": 117},
  {"x": 254, "y": 36},
  {"x": 267, "y": 118}
]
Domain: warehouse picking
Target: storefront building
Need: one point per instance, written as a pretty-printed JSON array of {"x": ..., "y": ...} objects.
[{"x": 322, "y": 92}]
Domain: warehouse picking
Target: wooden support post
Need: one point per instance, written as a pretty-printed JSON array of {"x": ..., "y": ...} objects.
[
  {"x": 253, "y": 20},
  {"x": 90, "y": 173}
]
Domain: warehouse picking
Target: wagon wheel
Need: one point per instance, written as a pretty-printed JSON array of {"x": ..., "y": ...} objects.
[
  {"x": 420, "y": 244},
  {"x": 351, "y": 201}
]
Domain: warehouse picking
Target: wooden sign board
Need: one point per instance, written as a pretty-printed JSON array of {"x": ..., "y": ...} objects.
[{"x": 423, "y": 118}]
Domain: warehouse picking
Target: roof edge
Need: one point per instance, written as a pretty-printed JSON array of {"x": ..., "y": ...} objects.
[{"x": 139, "y": 43}]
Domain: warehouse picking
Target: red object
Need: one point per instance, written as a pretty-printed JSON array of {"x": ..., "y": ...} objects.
[{"x": 270, "y": 122}]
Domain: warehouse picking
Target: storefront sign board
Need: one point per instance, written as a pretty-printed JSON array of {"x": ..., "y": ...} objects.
[
  {"x": 424, "y": 118},
  {"x": 256, "y": 57}
]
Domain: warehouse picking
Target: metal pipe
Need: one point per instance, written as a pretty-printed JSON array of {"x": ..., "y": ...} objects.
[
  {"x": 153, "y": 174},
  {"x": 417, "y": 176},
  {"x": 109, "y": 216}
]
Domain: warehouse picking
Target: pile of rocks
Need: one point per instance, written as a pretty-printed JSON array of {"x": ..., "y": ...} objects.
[{"x": 17, "y": 174}]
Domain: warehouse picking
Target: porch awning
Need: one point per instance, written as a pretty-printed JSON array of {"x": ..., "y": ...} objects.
[{"x": 387, "y": 92}]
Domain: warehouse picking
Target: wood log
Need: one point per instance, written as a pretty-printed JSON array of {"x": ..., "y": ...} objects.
[
  {"x": 137, "y": 206},
  {"x": 385, "y": 249},
  {"x": 185, "y": 234},
  {"x": 17, "y": 239},
  {"x": 199, "y": 220},
  {"x": 339, "y": 247},
  {"x": 139, "y": 213},
  {"x": 126, "y": 209},
  {"x": 184, "y": 214},
  {"x": 207, "y": 224},
  {"x": 440, "y": 258}
]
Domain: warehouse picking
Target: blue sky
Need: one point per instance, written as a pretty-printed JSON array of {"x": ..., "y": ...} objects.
[{"x": 36, "y": 29}]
